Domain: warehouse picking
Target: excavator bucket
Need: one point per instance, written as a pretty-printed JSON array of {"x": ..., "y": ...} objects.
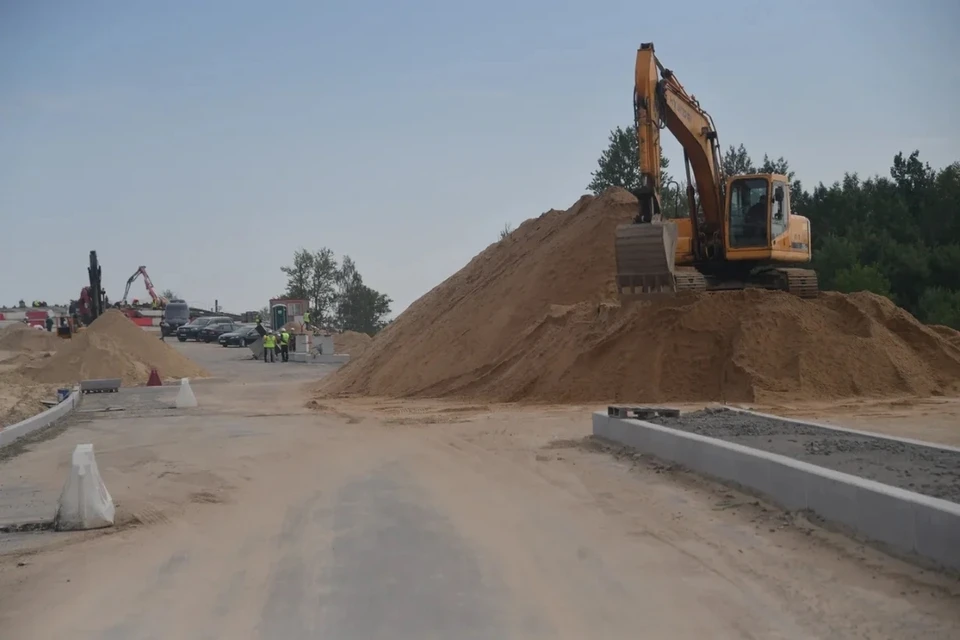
[{"x": 646, "y": 255}]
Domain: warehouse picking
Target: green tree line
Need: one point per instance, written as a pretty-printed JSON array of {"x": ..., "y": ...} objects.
[
  {"x": 338, "y": 297},
  {"x": 897, "y": 236}
]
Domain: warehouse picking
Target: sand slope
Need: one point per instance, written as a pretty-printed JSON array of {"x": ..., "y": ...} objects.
[{"x": 534, "y": 317}]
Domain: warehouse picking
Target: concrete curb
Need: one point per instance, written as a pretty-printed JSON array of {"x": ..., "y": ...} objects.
[
  {"x": 906, "y": 521},
  {"x": 41, "y": 420}
]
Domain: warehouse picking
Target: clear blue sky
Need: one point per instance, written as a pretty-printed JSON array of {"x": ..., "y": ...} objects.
[{"x": 208, "y": 140}]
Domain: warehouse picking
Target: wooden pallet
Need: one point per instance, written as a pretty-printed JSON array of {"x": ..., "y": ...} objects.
[{"x": 641, "y": 413}]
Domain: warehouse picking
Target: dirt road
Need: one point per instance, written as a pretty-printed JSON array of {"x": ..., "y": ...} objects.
[{"x": 254, "y": 517}]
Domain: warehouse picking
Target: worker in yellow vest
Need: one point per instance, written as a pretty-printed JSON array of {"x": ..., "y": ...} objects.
[
  {"x": 284, "y": 345},
  {"x": 306, "y": 320},
  {"x": 269, "y": 347}
]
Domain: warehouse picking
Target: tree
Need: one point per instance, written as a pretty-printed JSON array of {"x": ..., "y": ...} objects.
[
  {"x": 619, "y": 166},
  {"x": 169, "y": 294},
  {"x": 299, "y": 275},
  {"x": 736, "y": 161},
  {"x": 363, "y": 309},
  {"x": 336, "y": 293},
  {"x": 507, "y": 228}
]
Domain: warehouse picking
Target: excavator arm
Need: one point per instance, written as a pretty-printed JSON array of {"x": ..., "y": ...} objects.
[
  {"x": 660, "y": 100},
  {"x": 142, "y": 271}
]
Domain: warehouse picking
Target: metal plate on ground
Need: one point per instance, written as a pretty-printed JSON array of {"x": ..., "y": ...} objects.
[
  {"x": 641, "y": 413},
  {"x": 102, "y": 385}
]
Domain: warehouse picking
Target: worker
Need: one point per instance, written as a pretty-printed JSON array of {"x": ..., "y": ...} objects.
[
  {"x": 49, "y": 322},
  {"x": 269, "y": 344},
  {"x": 284, "y": 345},
  {"x": 306, "y": 319}
]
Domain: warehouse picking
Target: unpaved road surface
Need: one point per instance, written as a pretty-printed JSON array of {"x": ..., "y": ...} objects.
[{"x": 255, "y": 517}]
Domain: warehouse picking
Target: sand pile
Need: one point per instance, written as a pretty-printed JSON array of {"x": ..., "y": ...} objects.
[
  {"x": 113, "y": 347},
  {"x": 21, "y": 337},
  {"x": 533, "y": 317},
  {"x": 21, "y": 398},
  {"x": 351, "y": 342}
]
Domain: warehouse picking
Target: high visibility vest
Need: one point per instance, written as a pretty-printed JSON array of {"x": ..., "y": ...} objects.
[
  {"x": 269, "y": 341},
  {"x": 306, "y": 317},
  {"x": 284, "y": 338}
]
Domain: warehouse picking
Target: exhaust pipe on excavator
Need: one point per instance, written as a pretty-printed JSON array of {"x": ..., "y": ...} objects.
[{"x": 646, "y": 255}]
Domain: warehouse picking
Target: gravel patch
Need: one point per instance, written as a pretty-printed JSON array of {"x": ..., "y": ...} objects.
[{"x": 928, "y": 470}]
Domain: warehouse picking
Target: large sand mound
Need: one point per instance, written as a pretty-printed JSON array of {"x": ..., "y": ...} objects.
[
  {"x": 532, "y": 318},
  {"x": 21, "y": 337},
  {"x": 113, "y": 347}
]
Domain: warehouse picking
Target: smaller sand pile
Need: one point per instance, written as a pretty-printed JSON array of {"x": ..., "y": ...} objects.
[
  {"x": 21, "y": 337},
  {"x": 113, "y": 347},
  {"x": 21, "y": 398},
  {"x": 351, "y": 342}
]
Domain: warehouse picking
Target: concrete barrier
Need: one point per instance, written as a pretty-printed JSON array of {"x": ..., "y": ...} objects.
[
  {"x": 906, "y": 521},
  {"x": 41, "y": 420}
]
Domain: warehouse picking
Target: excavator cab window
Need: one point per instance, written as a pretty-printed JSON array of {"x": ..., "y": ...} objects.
[
  {"x": 749, "y": 213},
  {"x": 780, "y": 210}
]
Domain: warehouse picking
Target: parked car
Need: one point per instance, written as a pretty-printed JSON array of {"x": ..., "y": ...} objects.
[
  {"x": 213, "y": 330},
  {"x": 191, "y": 330},
  {"x": 175, "y": 316},
  {"x": 240, "y": 337}
]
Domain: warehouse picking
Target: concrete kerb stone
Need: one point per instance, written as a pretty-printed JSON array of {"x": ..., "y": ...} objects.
[
  {"x": 907, "y": 522},
  {"x": 833, "y": 427},
  {"x": 41, "y": 420}
]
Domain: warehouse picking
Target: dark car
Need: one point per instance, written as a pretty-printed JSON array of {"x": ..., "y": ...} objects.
[
  {"x": 175, "y": 315},
  {"x": 213, "y": 330},
  {"x": 239, "y": 338},
  {"x": 191, "y": 330}
]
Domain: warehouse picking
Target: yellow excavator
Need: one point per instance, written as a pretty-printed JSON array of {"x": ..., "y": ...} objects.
[{"x": 738, "y": 231}]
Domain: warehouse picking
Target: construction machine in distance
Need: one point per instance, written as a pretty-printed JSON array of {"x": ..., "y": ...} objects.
[
  {"x": 158, "y": 301},
  {"x": 91, "y": 304},
  {"x": 738, "y": 231}
]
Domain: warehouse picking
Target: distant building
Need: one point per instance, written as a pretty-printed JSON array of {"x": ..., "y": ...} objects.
[{"x": 295, "y": 308}]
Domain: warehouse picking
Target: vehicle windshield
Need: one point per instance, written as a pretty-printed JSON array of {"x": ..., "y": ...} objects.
[
  {"x": 749, "y": 200},
  {"x": 201, "y": 322}
]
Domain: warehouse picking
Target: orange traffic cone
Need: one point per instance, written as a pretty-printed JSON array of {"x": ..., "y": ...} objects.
[{"x": 154, "y": 380}]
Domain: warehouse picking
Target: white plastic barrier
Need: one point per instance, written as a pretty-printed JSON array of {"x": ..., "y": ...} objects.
[
  {"x": 85, "y": 502},
  {"x": 185, "y": 398}
]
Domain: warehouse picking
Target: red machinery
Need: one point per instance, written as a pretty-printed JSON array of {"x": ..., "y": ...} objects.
[{"x": 158, "y": 300}]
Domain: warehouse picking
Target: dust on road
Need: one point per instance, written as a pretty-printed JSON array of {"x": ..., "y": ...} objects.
[{"x": 260, "y": 518}]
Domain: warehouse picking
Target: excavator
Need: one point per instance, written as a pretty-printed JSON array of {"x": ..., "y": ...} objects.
[
  {"x": 737, "y": 232},
  {"x": 158, "y": 300}
]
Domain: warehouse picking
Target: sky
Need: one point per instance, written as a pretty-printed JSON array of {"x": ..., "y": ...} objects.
[{"x": 209, "y": 140}]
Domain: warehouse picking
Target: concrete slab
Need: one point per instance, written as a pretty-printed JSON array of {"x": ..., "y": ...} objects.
[{"x": 905, "y": 521}]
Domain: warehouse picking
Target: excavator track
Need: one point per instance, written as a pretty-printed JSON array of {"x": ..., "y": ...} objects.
[
  {"x": 689, "y": 280},
  {"x": 802, "y": 283}
]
